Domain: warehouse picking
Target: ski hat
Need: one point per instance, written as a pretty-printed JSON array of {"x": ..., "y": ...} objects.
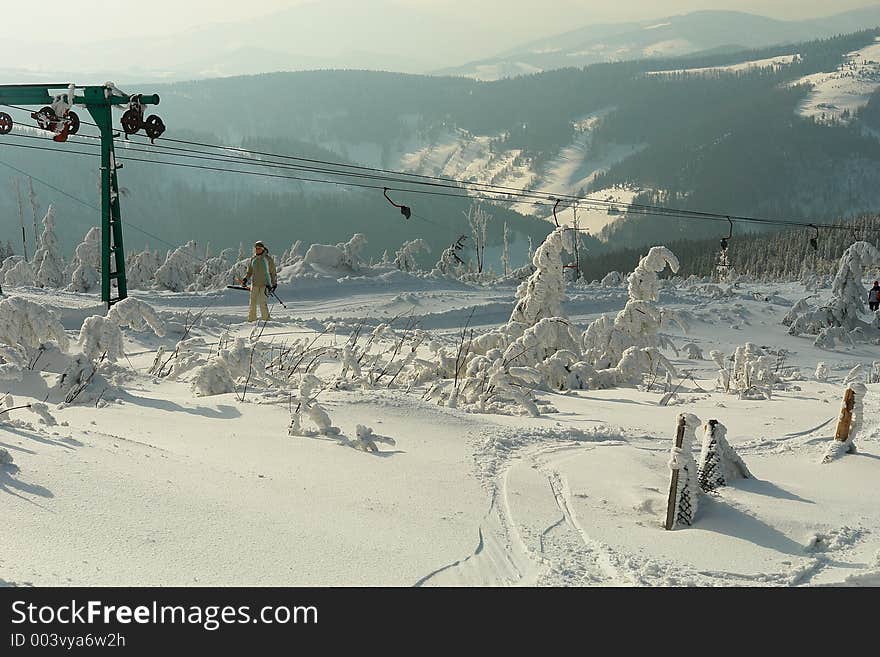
[{"x": 259, "y": 243}]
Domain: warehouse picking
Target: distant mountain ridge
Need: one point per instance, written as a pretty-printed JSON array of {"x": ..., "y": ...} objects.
[{"x": 687, "y": 34}]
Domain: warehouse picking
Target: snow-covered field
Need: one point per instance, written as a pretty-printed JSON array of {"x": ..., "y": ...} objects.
[
  {"x": 845, "y": 90},
  {"x": 152, "y": 485}
]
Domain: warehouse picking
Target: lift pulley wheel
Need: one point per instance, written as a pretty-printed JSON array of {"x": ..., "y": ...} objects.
[
  {"x": 45, "y": 118},
  {"x": 6, "y": 123},
  {"x": 72, "y": 119},
  {"x": 132, "y": 121},
  {"x": 154, "y": 127}
]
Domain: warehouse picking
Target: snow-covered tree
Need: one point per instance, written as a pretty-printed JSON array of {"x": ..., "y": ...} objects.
[
  {"x": 214, "y": 272},
  {"x": 640, "y": 321},
  {"x": 180, "y": 268},
  {"x": 542, "y": 294},
  {"x": 405, "y": 257},
  {"x": 48, "y": 263},
  {"x": 86, "y": 264},
  {"x": 478, "y": 220},
  {"x": 141, "y": 268},
  {"x": 847, "y": 302},
  {"x": 505, "y": 251},
  {"x": 292, "y": 255}
]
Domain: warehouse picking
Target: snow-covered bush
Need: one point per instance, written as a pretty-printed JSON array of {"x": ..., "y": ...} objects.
[
  {"x": 25, "y": 326},
  {"x": 18, "y": 273},
  {"x": 48, "y": 263},
  {"x": 754, "y": 373},
  {"x": 613, "y": 279},
  {"x": 307, "y": 407},
  {"x": 405, "y": 257},
  {"x": 84, "y": 270},
  {"x": 821, "y": 372},
  {"x": 333, "y": 260},
  {"x": 101, "y": 336},
  {"x": 242, "y": 360},
  {"x": 366, "y": 440}
]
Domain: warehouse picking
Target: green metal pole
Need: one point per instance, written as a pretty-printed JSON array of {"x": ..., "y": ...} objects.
[
  {"x": 112, "y": 253},
  {"x": 98, "y": 101}
]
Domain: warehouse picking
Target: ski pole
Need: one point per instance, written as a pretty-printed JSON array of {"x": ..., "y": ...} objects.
[{"x": 279, "y": 300}]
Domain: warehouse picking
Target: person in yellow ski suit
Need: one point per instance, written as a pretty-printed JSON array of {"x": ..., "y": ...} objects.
[{"x": 261, "y": 270}]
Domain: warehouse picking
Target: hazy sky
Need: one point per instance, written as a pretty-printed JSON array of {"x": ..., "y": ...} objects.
[{"x": 82, "y": 18}]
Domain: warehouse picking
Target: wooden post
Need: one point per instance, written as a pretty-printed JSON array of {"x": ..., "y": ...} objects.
[
  {"x": 843, "y": 424},
  {"x": 673, "y": 486}
]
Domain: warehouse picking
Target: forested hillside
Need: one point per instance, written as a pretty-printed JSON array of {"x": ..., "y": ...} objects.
[
  {"x": 775, "y": 255},
  {"x": 725, "y": 140}
]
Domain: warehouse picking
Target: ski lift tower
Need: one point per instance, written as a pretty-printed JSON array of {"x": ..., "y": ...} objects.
[{"x": 57, "y": 116}]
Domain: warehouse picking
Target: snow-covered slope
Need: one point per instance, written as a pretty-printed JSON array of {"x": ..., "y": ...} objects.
[
  {"x": 160, "y": 487},
  {"x": 844, "y": 90}
]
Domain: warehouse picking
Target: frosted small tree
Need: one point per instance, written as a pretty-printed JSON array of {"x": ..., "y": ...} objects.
[
  {"x": 541, "y": 295},
  {"x": 639, "y": 323},
  {"x": 48, "y": 263},
  {"x": 450, "y": 263},
  {"x": 86, "y": 264},
  {"x": 405, "y": 258},
  {"x": 505, "y": 252},
  {"x": 478, "y": 220}
]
